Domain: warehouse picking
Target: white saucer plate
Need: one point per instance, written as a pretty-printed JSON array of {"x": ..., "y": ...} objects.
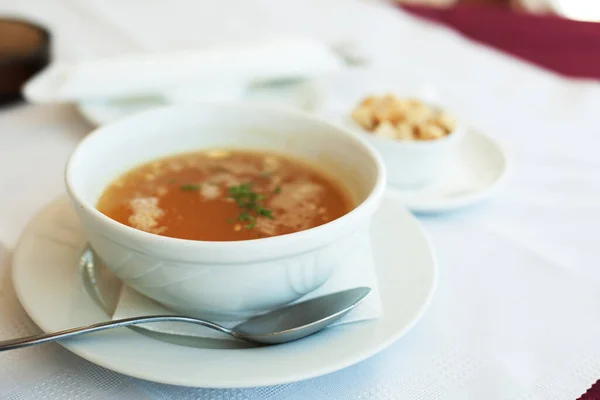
[
  {"x": 475, "y": 171},
  {"x": 305, "y": 95},
  {"x": 48, "y": 282},
  {"x": 100, "y": 112}
]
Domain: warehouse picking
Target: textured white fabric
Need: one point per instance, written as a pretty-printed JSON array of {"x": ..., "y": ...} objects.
[{"x": 516, "y": 311}]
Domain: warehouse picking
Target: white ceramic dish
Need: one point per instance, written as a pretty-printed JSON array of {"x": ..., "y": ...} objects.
[
  {"x": 48, "y": 283},
  {"x": 408, "y": 163},
  {"x": 305, "y": 95},
  {"x": 210, "y": 68},
  {"x": 475, "y": 171},
  {"x": 412, "y": 164},
  {"x": 225, "y": 280},
  {"x": 100, "y": 112}
]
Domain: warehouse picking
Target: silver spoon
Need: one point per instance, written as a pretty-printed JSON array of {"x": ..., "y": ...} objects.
[{"x": 279, "y": 326}]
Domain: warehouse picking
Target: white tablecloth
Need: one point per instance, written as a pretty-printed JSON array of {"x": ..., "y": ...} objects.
[{"x": 516, "y": 312}]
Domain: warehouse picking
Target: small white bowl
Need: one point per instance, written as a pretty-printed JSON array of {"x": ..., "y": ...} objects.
[
  {"x": 413, "y": 163},
  {"x": 225, "y": 280}
]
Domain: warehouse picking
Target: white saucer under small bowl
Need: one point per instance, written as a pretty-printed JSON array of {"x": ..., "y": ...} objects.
[
  {"x": 469, "y": 165},
  {"x": 49, "y": 284},
  {"x": 475, "y": 168},
  {"x": 474, "y": 172}
]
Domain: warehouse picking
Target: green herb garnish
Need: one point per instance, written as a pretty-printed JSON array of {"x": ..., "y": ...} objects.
[
  {"x": 190, "y": 188},
  {"x": 245, "y": 217},
  {"x": 277, "y": 190},
  {"x": 172, "y": 180},
  {"x": 265, "y": 213},
  {"x": 249, "y": 203}
]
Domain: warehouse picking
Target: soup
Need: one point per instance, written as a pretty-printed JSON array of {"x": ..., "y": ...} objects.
[{"x": 223, "y": 195}]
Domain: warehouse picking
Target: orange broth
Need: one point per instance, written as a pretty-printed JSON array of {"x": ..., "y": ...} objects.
[{"x": 225, "y": 195}]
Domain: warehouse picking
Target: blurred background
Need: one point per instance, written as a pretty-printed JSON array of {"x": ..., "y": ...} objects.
[
  {"x": 585, "y": 10},
  {"x": 559, "y": 35}
]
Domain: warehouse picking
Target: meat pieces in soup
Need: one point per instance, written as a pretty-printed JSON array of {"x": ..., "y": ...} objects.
[{"x": 223, "y": 195}]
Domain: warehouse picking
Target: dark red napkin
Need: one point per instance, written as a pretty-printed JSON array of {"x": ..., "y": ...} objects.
[
  {"x": 593, "y": 393},
  {"x": 568, "y": 47}
]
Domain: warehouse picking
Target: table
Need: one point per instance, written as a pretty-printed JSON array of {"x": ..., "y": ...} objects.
[{"x": 515, "y": 315}]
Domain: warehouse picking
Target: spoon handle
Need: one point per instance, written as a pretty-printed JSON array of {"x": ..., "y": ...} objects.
[{"x": 101, "y": 326}]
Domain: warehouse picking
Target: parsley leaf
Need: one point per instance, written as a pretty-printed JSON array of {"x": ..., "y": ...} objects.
[{"x": 190, "y": 187}]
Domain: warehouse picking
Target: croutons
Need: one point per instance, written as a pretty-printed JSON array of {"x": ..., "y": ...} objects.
[
  {"x": 385, "y": 130},
  {"x": 402, "y": 119},
  {"x": 363, "y": 115}
]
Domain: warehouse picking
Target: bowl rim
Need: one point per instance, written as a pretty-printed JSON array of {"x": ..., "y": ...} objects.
[{"x": 368, "y": 205}]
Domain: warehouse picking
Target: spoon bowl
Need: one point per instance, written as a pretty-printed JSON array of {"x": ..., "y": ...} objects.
[{"x": 299, "y": 320}]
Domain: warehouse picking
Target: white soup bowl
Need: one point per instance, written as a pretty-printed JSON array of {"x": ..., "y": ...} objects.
[{"x": 235, "y": 279}]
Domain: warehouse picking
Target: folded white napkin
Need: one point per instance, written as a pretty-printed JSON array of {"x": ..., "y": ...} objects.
[
  {"x": 166, "y": 73},
  {"x": 360, "y": 273}
]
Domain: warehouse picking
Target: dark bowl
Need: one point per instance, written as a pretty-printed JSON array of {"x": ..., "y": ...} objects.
[{"x": 24, "y": 50}]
